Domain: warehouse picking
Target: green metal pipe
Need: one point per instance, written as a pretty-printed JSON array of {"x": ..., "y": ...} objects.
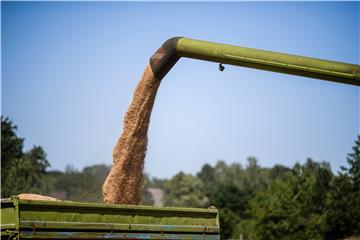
[{"x": 170, "y": 52}]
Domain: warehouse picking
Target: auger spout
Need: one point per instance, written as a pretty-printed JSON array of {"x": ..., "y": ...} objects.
[{"x": 174, "y": 48}]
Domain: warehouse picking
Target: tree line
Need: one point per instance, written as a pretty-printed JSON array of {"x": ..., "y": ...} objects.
[{"x": 305, "y": 201}]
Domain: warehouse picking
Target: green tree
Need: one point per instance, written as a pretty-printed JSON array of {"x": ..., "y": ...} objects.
[
  {"x": 207, "y": 176},
  {"x": 272, "y": 209},
  {"x": 233, "y": 198},
  {"x": 11, "y": 146},
  {"x": 278, "y": 171},
  {"x": 26, "y": 174},
  {"x": 339, "y": 217},
  {"x": 256, "y": 178},
  {"x": 353, "y": 172},
  {"x": 184, "y": 190},
  {"x": 353, "y": 160},
  {"x": 343, "y": 204},
  {"x": 228, "y": 222},
  {"x": 293, "y": 207},
  {"x": 20, "y": 172},
  {"x": 230, "y": 188},
  {"x": 82, "y": 185},
  {"x": 155, "y": 182}
]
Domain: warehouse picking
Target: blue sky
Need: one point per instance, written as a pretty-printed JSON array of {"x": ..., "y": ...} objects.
[{"x": 69, "y": 70}]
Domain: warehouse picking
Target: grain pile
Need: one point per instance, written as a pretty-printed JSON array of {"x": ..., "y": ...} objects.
[
  {"x": 31, "y": 196},
  {"x": 123, "y": 185}
]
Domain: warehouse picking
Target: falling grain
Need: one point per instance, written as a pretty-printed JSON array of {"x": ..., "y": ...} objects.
[{"x": 123, "y": 185}]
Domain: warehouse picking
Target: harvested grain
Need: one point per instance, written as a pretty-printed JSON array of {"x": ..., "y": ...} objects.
[
  {"x": 123, "y": 185},
  {"x": 31, "y": 196}
]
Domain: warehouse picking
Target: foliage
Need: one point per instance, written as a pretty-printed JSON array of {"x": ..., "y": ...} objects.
[
  {"x": 228, "y": 221},
  {"x": 207, "y": 176},
  {"x": 11, "y": 144},
  {"x": 343, "y": 203},
  {"x": 353, "y": 160},
  {"x": 20, "y": 171},
  {"x": 338, "y": 208},
  {"x": 291, "y": 208},
  {"x": 353, "y": 173},
  {"x": 82, "y": 186},
  {"x": 184, "y": 190}
]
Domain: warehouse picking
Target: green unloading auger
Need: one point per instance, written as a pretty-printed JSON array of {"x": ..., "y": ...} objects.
[{"x": 174, "y": 48}]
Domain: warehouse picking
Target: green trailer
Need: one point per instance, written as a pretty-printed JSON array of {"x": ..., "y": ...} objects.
[{"x": 35, "y": 219}]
